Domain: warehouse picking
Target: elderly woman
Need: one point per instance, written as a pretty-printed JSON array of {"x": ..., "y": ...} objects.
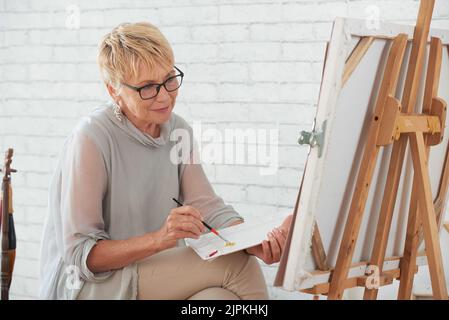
[{"x": 113, "y": 230}]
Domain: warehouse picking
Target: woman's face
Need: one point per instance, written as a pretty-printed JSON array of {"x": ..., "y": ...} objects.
[{"x": 156, "y": 110}]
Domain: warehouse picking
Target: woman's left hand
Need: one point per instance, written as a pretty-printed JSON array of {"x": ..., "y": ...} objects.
[{"x": 270, "y": 250}]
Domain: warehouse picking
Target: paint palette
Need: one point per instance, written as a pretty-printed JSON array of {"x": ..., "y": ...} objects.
[{"x": 244, "y": 235}]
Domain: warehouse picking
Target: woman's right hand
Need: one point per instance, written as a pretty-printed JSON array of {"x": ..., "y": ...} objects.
[{"x": 182, "y": 222}]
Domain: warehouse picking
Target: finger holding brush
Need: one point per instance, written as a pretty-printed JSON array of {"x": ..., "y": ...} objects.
[
  {"x": 182, "y": 222},
  {"x": 213, "y": 230}
]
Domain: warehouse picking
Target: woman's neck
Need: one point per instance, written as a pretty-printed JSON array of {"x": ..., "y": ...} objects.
[{"x": 153, "y": 129}]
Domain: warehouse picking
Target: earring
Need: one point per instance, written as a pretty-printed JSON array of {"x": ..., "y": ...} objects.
[{"x": 118, "y": 112}]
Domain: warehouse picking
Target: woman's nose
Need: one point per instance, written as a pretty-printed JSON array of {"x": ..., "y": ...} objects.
[{"x": 163, "y": 95}]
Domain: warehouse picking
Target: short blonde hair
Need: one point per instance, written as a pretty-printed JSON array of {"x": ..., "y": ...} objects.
[{"x": 129, "y": 44}]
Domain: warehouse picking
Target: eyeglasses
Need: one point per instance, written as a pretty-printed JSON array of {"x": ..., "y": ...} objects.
[{"x": 151, "y": 90}]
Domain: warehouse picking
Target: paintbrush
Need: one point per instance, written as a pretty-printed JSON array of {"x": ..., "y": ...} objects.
[{"x": 213, "y": 230}]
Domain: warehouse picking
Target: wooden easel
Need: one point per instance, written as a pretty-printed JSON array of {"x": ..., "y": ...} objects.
[{"x": 396, "y": 123}]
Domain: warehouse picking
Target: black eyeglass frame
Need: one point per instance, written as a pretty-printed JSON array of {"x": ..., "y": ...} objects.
[{"x": 158, "y": 85}]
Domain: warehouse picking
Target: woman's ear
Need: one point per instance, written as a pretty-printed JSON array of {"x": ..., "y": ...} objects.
[{"x": 112, "y": 92}]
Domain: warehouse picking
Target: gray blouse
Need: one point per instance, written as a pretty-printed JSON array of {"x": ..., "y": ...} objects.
[{"x": 113, "y": 181}]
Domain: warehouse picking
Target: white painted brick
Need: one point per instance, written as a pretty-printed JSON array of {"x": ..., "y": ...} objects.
[
  {"x": 220, "y": 33},
  {"x": 322, "y": 30},
  {"x": 250, "y": 13},
  {"x": 92, "y": 36},
  {"x": 307, "y": 51},
  {"x": 248, "y": 64},
  {"x": 300, "y": 92},
  {"x": 260, "y": 92},
  {"x": 440, "y": 24},
  {"x": 283, "y": 72},
  {"x": 198, "y": 92},
  {"x": 56, "y": 71},
  {"x": 188, "y": 15},
  {"x": 19, "y": 213},
  {"x": 252, "y": 211},
  {"x": 243, "y": 175},
  {"x": 29, "y": 232},
  {"x": 290, "y": 177},
  {"x": 18, "y": 142},
  {"x": 281, "y": 32},
  {"x": 176, "y": 34},
  {"x": 30, "y": 196},
  {"x": 230, "y": 193},
  {"x": 48, "y": 5},
  {"x": 289, "y": 134},
  {"x": 209, "y": 170},
  {"x": 14, "y": 38},
  {"x": 26, "y": 286},
  {"x": 25, "y": 267},
  {"x": 50, "y": 146},
  {"x": 249, "y": 51},
  {"x": 28, "y": 20},
  {"x": 36, "y": 214},
  {"x": 203, "y": 52},
  {"x": 182, "y": 108},
  {"x": 18, "y": 179},
  {"x": 294, "y": 157},
  {"x": 34, "y": 163},
  {"x": 264, "y": 195},
  {"x": 35, "y": 107},
  {"x": 294, "y": 113},
  {"x": 314, "y": 11},
  {"x": 13, "y": 72},
  {"x": 228, "y": 111},
  {"x": 16, "y": 5},
  {"x": 111, "y": 18},
  {"x": 89, "y": 72},
  {"x": 287, "y": 196},
  {"x": 222, "y": 72},
  {"x": 388, "y": 10},
  {"x": 40, "y": 126},
  {"x": 74, "y": 54},
  {"x": 38, "y": 180},
  {"x": 53, "y": 36},
  {"x": 272, "y": 196},
  {"x": 22, "y": 54}
]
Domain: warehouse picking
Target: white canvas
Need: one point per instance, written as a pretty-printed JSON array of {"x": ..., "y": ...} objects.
[{"x": 329, "y": 180}]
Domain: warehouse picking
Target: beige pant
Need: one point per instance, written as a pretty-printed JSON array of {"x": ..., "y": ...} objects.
[{"x": 179, "y": 274}]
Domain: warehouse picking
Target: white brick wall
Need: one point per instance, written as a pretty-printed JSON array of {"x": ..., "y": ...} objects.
[{"x": 267, "y": 54}]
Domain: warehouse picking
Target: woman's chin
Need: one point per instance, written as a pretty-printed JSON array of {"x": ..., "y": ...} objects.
[{"x": 162, "y": 116}]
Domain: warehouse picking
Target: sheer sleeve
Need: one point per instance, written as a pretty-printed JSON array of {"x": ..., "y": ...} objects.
[
  {"x": 83, "y": 186},
  {"x": 197, "y": 192}
]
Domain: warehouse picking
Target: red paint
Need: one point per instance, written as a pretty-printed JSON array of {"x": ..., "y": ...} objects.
[{"x": 212, "y": 253}]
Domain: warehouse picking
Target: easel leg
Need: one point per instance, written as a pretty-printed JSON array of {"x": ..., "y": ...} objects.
[
  {"x": 408, "y": 261},
  {"x": 386, "y": 212},
  {"x": 428, "y": 217}
]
